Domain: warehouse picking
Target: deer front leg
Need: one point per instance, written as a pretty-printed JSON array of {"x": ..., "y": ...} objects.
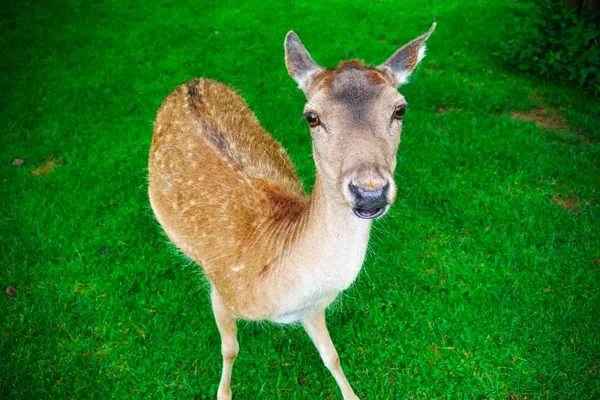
[
  {"x": 316, "y": 328},
  {"x": 229, "y": 344}
]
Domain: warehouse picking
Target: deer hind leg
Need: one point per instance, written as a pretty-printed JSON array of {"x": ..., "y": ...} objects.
[
  {"x": 229, "y": 344},
  {"x": 317, "y": 330}
]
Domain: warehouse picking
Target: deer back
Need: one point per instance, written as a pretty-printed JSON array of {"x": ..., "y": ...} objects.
[{"x": 222, "y": 188}]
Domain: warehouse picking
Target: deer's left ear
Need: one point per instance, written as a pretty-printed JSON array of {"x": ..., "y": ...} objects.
[
  {"x": 299, "y": 63},
  {"x": 402, "y": 63}
]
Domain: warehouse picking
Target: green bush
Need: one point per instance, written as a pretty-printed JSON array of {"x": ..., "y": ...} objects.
[{"x": 556, "y": 42}]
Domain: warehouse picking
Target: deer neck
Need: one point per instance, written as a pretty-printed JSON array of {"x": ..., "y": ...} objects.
[
  {"x": 325, "y": 258},
  {"x": 334, "y": 241}
]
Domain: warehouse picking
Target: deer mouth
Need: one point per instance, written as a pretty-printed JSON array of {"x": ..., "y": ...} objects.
[{"x": 369, "y": 213}]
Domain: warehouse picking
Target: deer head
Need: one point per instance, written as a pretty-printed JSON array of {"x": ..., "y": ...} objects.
[{"x": 355, "y": 116}]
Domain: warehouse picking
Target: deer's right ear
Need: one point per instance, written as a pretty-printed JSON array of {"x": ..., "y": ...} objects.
[{"x": 299, "y": 63}]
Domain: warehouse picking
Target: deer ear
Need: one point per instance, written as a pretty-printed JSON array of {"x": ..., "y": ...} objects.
[
  {"x": 402, "y": 63},
  {"x": 299, "y": 63}
]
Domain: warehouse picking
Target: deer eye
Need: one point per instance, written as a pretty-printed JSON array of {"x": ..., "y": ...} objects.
[
  {"x": 312, "y": 119},
  {"x": 399, "y": 112}
]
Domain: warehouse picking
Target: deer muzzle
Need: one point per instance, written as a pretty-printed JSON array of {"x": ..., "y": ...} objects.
[{"x": 369, "y": 203}]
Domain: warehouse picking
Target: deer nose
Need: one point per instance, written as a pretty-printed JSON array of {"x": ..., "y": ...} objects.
[{"x": 369, "y": 203}]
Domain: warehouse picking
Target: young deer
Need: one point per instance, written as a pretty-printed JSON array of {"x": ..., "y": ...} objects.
[{"x": 227, "y": 194}]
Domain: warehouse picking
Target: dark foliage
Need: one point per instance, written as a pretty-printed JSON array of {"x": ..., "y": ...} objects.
[{"x": 557, "y": 42}]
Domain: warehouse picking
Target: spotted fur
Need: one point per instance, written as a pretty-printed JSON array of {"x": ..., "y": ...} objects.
[{"x": 227, "y": 194}]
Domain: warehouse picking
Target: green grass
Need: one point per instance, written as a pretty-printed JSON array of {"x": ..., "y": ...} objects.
[{"x": 482, "y": 282}]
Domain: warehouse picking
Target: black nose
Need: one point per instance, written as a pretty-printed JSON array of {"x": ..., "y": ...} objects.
[{"x": 365, "y": 199}]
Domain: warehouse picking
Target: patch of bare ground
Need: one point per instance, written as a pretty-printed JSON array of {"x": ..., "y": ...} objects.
[
  {"x": 568, "y": 203},
  {"x": 445, "y": 109},
  {"x": 49, "y": 164},
  {"x": 549, "y": 118},
  {"x": 545, "y": 117}
]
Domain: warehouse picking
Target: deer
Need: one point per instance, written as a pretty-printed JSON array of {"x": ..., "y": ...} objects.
[{"x": 227, "y": 194}]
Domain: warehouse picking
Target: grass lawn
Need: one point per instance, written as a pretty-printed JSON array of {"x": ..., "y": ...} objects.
[{"x": 481, "y": 283}]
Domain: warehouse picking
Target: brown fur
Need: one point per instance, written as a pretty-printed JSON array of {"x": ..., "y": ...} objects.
[
  {"x": 326, "y": 77},
  {"x": 227, "y": 194},
  {"x": 216, "y": 174}
]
